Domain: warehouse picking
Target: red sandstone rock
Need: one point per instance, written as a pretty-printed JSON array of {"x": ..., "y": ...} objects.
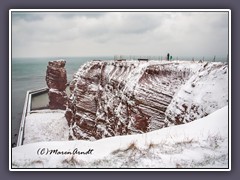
[
  {"x": 128, "y": 97},
  {"x": 57, "y": 99},
  {"x": 56, "y": 79},
  {"x": 119, "y": 98}
]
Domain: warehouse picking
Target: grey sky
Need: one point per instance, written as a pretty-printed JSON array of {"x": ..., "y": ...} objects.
[{"x": 45, "y": 34}]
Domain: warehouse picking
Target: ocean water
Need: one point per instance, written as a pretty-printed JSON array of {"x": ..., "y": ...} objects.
[{"x": 28, "y": 74}]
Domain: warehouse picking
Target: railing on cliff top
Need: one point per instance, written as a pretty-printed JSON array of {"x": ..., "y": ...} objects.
[{"x": 179, "y": 58}]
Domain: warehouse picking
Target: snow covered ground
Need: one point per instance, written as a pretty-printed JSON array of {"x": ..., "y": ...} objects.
[
  {"x": 202, "y": 143},
  {"x": 46, "y": 125}
]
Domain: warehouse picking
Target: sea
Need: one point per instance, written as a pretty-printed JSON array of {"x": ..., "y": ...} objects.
[{"x": 29, "y": 73}]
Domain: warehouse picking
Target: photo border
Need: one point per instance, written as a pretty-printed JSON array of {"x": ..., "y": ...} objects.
[{"x": 120, "y": 10}]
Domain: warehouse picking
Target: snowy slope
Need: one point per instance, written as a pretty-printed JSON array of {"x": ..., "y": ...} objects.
[
  {"x": 199, "y": 144},
  {"x": 205, "y": 92}
]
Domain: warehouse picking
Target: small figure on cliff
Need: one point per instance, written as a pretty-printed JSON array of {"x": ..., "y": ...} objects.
[{"x": 168, "y": 56}]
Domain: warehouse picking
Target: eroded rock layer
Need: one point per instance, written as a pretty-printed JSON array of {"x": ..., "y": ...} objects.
[
  {"x": 56, "y": 79},
  {"x": 125, "y": 97}
]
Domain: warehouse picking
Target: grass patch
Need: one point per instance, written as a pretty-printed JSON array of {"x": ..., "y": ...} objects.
[{"x": 71, "y": 162}]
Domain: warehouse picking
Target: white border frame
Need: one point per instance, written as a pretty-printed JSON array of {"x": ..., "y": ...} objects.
[{"x": 119, "y": 10}]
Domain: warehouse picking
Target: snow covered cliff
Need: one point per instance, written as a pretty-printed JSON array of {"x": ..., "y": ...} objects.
[
  {"x": 113, "y": 98},
  {"x": 110, "y": 98}
]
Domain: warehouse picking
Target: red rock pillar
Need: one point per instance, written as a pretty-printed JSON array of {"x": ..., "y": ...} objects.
[{"x": 56, "y": 78}]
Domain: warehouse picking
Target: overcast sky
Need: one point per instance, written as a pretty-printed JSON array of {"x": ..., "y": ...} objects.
[{"x": 44, "y": 34}]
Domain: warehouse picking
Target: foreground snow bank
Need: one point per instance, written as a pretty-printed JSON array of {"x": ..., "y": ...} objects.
[{"x": 199, "y": 144}]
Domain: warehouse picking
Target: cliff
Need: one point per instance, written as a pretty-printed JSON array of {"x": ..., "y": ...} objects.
[{"x": 110, "y": 98}]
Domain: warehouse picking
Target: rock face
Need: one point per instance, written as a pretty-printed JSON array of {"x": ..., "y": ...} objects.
[
  {"x": 56, "y": 79},
  {"x": 121, "y": 97},
  {"x": 128, "y": 97}
]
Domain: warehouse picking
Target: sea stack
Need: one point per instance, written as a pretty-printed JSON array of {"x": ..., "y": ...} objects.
[{"x": 56, "y": 79}]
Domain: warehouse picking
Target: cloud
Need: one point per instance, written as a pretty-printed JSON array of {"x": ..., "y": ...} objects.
[
  {"x": 70, "y": 15},
  {"x": 18, "y": 16},
  {"x": 109, "y": 33}
]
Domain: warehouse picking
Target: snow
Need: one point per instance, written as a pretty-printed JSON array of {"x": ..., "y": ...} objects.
[
  {"x": 202, "y": 94},
  {"x": 46, "y": 125},
  {"x": 56, "y": 91},
  {"x": 202, "y": 143}
]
